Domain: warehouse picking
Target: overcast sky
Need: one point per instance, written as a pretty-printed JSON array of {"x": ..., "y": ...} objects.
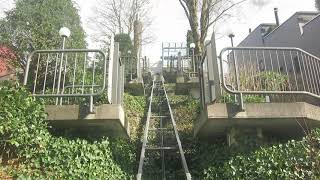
[{"x": 171, "y": 25}]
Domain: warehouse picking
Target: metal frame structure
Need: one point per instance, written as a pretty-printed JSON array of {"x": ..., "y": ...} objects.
[
  {"x": 271, "y": 58},
  {"x": 301, "y": 69},
  {"x": 130, "y": 66},
  {"x": 159, "y": 90},
  {"x": 61, "y": 67},
  {"x": 65, "y": 66}
]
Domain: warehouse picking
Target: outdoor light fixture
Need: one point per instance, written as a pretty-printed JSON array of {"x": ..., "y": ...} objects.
[
  {"x": 131, "y": 70},
  {"x": 231, "y": 36},
  {"x": 64, "y": 32},
  {"x": 192, "y": 45}
]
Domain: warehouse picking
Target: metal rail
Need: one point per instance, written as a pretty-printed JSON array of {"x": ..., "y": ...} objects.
[
  {"x": 50, "y": 72},
  {"x": 130, "y": 63},
  {"x": 160, "y": 102},
  {"x": 269, "y": 70}
]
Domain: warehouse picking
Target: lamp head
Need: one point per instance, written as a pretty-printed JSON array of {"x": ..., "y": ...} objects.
[
  {"x": 192, "y": 45},
  {"x": 64, "y": 32},
  {"x": 231, "y": 35}
]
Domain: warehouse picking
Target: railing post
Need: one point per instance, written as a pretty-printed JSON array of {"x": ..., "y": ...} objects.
[
  {"x": 26, "y": 71},
  {"x": 91, "y": 105},
  {"x": 240, "y": 96},
  {"x": 179, "y": 64}
]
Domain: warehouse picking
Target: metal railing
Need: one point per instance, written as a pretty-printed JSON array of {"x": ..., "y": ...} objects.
[
  {"x": 50, "y": 72},
  {"x": 64, "y": 74},
  {"x": 187, "y": 64},
  {"x": 130, "y": 63},
  {"x": 269, "y": 70},
  {"x": 160, "y": 121}
]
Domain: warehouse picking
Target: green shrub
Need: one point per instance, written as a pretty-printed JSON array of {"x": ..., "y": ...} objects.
[
  {"x": 253, "y": 158},
  {"x": 25, "y": 137},
  {"x": 135, "y": 108},
  {"x": 291, "y": 160},
  {"x": 22, "y": 123},
  {"x": 263, "y": 81},
  {"x": 272, "y": 81},
  {"x": 228, "y": 98}
]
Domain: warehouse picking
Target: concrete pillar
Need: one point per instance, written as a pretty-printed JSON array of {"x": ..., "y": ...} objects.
[
  {"x": 180, "y": 78},
  {"x": 235, "y": 135},
  {"x": 110, "y": 70},
  {"x": 214, "y": 76},
  {"x": 120, "y": 82},
  {"x": 231, "y": 136},
  {"x": 259, "y": 133},
  {"x": 179, "y": 63},
  {"x": 137, "y": 42},
  {"x": 115, "y": 75}
]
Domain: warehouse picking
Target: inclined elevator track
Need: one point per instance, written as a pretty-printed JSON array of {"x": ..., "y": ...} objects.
[{"x": 161, "y": 143}]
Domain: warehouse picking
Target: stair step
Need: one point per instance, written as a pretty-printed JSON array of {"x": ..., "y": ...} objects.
[
  {"x": 159, "y": 116},
  {"x": 159, "y": 129},
  {"x": 161, "y": 148}
]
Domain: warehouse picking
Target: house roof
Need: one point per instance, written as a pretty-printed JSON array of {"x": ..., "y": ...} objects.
[
  {"x": 317, "y": 14},
  {"x": 312, "y": 20},
  {"x": 295, "y": 14},
  {"x": 258, "y": 28}
]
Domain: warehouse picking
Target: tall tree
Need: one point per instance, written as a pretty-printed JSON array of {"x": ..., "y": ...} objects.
[
  {"x": 202, "y": 14},
  {"x": 317, "y": 4},
  {"x": 117, "y": 17},
  {"x": 125, "y": 43},
  {"x": 34, "y": 24},
  {"x": 189, "y": 39}
]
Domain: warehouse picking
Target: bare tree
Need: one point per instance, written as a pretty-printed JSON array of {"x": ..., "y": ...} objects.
[
  {"x": 202, "y": 14},
  {"x": 118, "y": 16}
]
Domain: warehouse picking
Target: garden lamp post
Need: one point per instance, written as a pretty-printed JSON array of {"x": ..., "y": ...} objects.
[
  {"x": 231, "y": 36},
  {"x": 130, "y": 59},
  {"x": 239, "y": 99},
  {"x": 64, "y": 32},
  {"x": 193, "y": 46}
]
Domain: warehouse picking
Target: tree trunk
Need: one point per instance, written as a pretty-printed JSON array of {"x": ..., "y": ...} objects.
[{"x": 193, "y": 21}]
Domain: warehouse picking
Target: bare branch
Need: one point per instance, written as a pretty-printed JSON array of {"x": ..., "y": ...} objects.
[
  {"x": 118, "y": 16},
  {"x": 184, "y": 6},
  {"x": 205, "y": 13},
  {"x": 223, "y": 12}
]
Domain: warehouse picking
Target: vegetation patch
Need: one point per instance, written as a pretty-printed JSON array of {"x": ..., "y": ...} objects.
[
  {"x": 252, "y": 159},
  {"x": 29, "y": 150}
]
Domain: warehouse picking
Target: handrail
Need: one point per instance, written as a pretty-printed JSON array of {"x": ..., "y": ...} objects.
[
  {"x": 298, "y": 69},
  {"x": 53, "y": 69},
  {"x": 159, "y": 90},
  {"x": 182, "y": 156}
]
